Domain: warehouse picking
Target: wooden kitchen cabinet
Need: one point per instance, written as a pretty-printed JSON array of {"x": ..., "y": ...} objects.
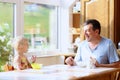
[
  {"x": 75, "y": 26},
  {"x": 76, "y": 20}
]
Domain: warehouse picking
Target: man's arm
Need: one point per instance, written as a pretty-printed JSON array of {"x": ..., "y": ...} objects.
[{"x": 112, "y": 65}]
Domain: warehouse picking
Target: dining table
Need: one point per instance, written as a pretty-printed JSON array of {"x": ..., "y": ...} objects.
[{"x": 62, "y": 72}]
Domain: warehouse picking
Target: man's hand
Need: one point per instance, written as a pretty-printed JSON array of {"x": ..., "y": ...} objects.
[
  {"x": 69, "y": 61},
  {"x": 94, "y": 61}
]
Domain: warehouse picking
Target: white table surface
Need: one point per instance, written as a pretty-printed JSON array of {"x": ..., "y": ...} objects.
[{"x": 53, "y": 72}]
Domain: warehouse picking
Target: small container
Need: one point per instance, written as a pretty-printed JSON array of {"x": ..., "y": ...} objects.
[
  {"x": 36, "y": 65},
  {"x": 90, "y": 65}
]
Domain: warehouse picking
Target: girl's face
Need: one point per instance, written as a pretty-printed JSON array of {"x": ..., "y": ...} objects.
[{"x": 23, "y": 46}]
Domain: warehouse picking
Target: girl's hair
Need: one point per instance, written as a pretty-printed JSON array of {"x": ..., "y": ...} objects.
[{"x": 19, "y": 41}]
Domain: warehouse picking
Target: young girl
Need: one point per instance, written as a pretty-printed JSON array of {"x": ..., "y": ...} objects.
[{"x": 21, "y": 62}]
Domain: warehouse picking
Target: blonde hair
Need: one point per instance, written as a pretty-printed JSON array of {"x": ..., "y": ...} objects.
[{"x": 19, "y": 41}]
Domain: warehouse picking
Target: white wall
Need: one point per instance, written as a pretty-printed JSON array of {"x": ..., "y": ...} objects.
[{"x": 65, "y": 21}]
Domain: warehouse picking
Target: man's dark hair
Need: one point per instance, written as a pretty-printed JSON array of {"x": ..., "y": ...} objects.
[{"x": 95, "y": 23}]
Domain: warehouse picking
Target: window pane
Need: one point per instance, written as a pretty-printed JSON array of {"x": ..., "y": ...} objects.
[
  {"x": 6, "y": 30},
  {"x": 40, "y": 25}
]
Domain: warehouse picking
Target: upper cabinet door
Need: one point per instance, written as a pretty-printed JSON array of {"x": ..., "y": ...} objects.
[{"x": 101, "y": 10}]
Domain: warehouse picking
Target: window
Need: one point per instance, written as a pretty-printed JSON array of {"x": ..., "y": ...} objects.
[
  {"x": 36, "y": 20},
  {"x": 40, "y": 25}
]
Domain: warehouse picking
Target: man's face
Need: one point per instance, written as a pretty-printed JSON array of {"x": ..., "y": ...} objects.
[{"x": 89, "y": 32}]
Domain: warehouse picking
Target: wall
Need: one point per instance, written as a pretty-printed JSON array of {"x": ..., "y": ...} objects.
[{"x": 64, "y": 24}]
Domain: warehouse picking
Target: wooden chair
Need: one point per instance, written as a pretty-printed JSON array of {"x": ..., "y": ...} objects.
[
  {"x": 118, "y": 51},
  {"x": 118, "y": 76}
]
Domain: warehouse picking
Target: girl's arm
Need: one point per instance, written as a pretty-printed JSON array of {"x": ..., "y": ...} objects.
[{"x": 33, "y": 59}]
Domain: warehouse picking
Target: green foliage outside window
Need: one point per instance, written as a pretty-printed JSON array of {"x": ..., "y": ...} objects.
[{"x": 5, "y": 45}]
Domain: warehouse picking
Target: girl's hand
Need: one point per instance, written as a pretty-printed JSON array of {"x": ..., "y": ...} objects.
[{"x": 33, "y": 59}]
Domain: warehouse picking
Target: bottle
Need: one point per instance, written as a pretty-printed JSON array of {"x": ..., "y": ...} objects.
[
  {"x": 10, "y": 59},
  {"x": 118, "y": 45}
]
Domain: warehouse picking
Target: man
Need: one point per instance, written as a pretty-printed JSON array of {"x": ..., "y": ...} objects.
[{"x": 97, "y": 49}]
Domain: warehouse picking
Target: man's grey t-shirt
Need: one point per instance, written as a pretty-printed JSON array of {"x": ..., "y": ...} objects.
[{"x": 104, "y": 53}]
